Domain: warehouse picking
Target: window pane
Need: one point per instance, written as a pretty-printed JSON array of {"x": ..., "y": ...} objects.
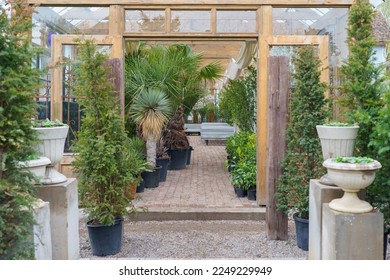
[
  {"x": 236, "y": 21},
  {"x": 145, "y": 21},
  {"x": 191, "y": 21}
]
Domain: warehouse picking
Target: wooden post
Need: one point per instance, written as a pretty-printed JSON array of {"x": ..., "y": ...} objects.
[
  {"x": 278, "y": 100},
  {"x": 116, "y": 76}
]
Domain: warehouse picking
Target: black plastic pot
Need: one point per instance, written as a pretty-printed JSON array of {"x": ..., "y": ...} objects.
[
  {"x": 385, "y": 241},
  {"x": 106, "y": 240},
  {"x": 141, "y": 187},
  {"x": 178, "y": 159},
  {"x": 302, "y": 232},
  {"x": 151, "y": 179},
  {"x": 240, "y": 192},
  {"x": 189, "y": 152},
  {"x": 164, "y": 163},
  {"x": 251, "y": 193}
]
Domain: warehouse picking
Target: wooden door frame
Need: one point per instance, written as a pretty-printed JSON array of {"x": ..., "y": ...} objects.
[
  {"x": 265, "y": 42},
  {"x": 58, "y": 41}
]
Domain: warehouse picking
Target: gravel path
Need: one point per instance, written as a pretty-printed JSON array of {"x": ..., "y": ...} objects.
[{"x": 198, "y": 240}]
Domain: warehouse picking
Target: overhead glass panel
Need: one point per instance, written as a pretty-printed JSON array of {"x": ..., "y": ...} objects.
[
  {"x": 191, "y": 21},
  {"x": 236, "y": 21},
  {"x": 145, "y": 21},
  {"x": 71, "y": 20}
]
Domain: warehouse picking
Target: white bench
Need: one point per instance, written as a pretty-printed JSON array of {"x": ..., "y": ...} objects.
[
  {"x": 215, "y": 131},
  {"x": 190, "y": 128}
]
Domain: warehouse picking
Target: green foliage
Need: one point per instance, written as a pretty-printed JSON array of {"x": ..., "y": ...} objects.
[
  {"x": 338, "y": 124},
  {"x": 242, "y": 149},
  {"x": 101, "y": 161},
  {"x": 18, "y": 84},
  {"x": 303, "y": 160},
  {"x": 238, "y": 102},
  {"x": 173, "y": 69},
  {"x": 361, "y": 78},
  {"x": 356, "y": 160},
  {"x": 365, "y": 101},
  {"x": 47, "y": 123},
  {"x": 379, "y": 193}
]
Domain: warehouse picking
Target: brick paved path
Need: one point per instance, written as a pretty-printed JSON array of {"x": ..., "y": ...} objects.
[{"x": 203, "y": 184}]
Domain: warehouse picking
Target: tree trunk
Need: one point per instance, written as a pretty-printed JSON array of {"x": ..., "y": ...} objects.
[{"x": 151, "y": 152}]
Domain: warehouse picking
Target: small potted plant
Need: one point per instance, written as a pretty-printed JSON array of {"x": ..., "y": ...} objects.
[
  {"x": 52, "y": 135},
  {"x": 351, "y": 174}
]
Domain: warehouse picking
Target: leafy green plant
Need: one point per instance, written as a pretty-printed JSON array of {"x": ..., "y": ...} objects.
[
  {"x": 237, "y": 101},
  {"x": 356, "y": 160},
  {"x": 303, "y": 160},
  {"x": 101, "y": 162},
  {"x": 338, "y": 124},
  {"x": 18, "y": 84},
  {"x": 361, "y": 78},
  {"x": 47, "y": 123},
  {"x": 244, "y": 174},
  {"x": 366, "y": 100}
]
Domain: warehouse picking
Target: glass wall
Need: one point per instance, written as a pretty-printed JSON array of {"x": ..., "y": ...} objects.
[
  {"x": 145, "y": 21},
  {"x": 236, "y": 21},
  {"x": 317, "y": 21}
]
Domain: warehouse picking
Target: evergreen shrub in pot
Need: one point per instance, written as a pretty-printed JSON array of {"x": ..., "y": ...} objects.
[
  {"x": 100, "y": 159},
  {"x": 303, "y": 160}
]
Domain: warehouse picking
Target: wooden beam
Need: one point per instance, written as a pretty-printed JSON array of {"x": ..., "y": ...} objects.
[
  {"x": 117, "y": 20},
  {"x": 265, "y": 30},
  {"x": 195, "y": 2},
  {"x": 278, "y": 104},
  {"x": 57, "y": 79},
  {"x": 57, "y": 76}
]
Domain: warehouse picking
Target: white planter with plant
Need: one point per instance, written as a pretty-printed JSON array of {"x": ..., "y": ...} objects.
[
  {"x": 351, "y": 174},
  {"x": 337, "y": 139},
  {"x": 52, "y": 135}
]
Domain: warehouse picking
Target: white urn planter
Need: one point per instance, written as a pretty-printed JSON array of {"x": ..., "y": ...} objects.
[
  {"x": 36, "y": 167},
  {"x": 351, "y": 178},
  {"x": 52, "y": 147},
  {"x": 336, "y": 141}
]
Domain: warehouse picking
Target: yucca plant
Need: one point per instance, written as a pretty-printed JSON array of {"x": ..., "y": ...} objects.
[{"x": 151, "y": 110}]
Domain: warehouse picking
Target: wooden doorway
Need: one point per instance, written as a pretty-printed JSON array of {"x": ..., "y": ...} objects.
[{"x": 275, "y": 87}]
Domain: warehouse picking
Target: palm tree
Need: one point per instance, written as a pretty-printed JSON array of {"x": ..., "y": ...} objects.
[{"x": 151, "y": 110}]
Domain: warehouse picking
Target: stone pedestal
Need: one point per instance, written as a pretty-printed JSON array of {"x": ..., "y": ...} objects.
[
  {"x": 42, "y": 231},
  {"x": 64, "y": 218},
  {"x": 347, "y": 236},
  {"x": 319, "y": 194}
]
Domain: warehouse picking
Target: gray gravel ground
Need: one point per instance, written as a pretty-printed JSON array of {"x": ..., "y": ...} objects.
[{"x": 198, "y": 240}]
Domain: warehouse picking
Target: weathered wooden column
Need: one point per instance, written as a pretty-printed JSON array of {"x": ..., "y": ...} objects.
[{"x": 277, "y": 118}]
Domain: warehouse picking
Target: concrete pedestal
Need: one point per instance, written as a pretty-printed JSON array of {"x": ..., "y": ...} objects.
[
  {"x": 42, "y": 231},
  {"x": 319, "y": 194},
  {"x": 64, "y": 218},
  {"x": 347, "y": 236}
]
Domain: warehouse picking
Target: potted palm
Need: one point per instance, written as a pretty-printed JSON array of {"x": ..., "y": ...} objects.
[
  {"x": 302, "y": 161},
  {"x": 100, "y": 156},
  {"x": 150, "y": 110}
]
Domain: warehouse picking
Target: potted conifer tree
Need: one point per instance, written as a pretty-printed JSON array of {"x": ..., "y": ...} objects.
[
  {"x": 100, "y": 159},
  {"x": 303, "y": 159}
]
